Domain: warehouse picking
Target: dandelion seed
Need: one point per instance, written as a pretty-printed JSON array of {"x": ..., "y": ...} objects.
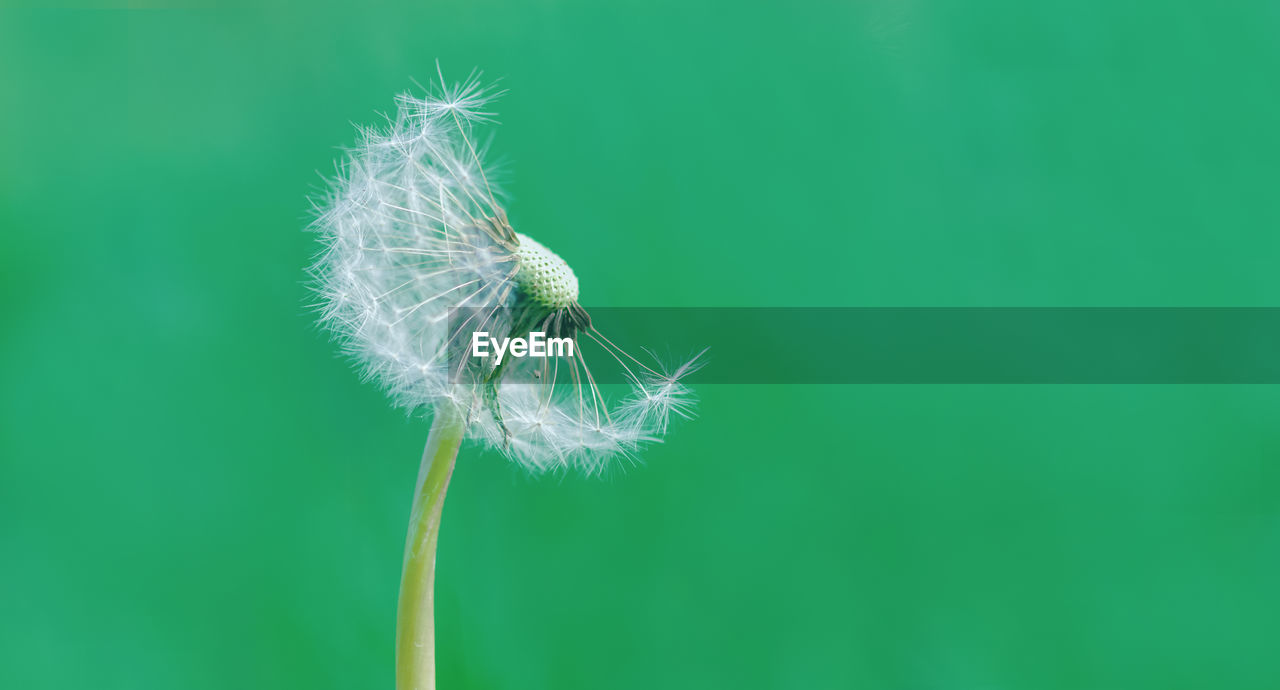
[{"x": 414, "y": 229}]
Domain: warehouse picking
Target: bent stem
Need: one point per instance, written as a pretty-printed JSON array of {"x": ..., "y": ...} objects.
[{"x": 415, "y": 625}]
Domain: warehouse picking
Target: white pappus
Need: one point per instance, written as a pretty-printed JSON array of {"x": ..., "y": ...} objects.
[{"x": 418, "y": 253}]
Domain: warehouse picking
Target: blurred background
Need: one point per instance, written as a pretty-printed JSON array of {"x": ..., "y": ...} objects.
[{"x": 197, "y": 492}]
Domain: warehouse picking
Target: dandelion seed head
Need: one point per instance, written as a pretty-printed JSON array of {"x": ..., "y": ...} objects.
[
  {"x": 414, "y": 229},
  {"x": 544, "y": 276}
]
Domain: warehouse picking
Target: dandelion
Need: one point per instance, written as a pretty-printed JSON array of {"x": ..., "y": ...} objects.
[{"x": 418, "y": 255}]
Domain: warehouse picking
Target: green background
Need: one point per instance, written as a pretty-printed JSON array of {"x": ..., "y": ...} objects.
[{"x": 196, "y": 492}]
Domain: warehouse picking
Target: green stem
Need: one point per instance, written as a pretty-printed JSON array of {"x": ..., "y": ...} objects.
[{"x": 415, "y": 624}]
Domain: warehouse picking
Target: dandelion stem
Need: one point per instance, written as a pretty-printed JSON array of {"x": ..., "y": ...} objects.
[{"x": 415, "y": 624}]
